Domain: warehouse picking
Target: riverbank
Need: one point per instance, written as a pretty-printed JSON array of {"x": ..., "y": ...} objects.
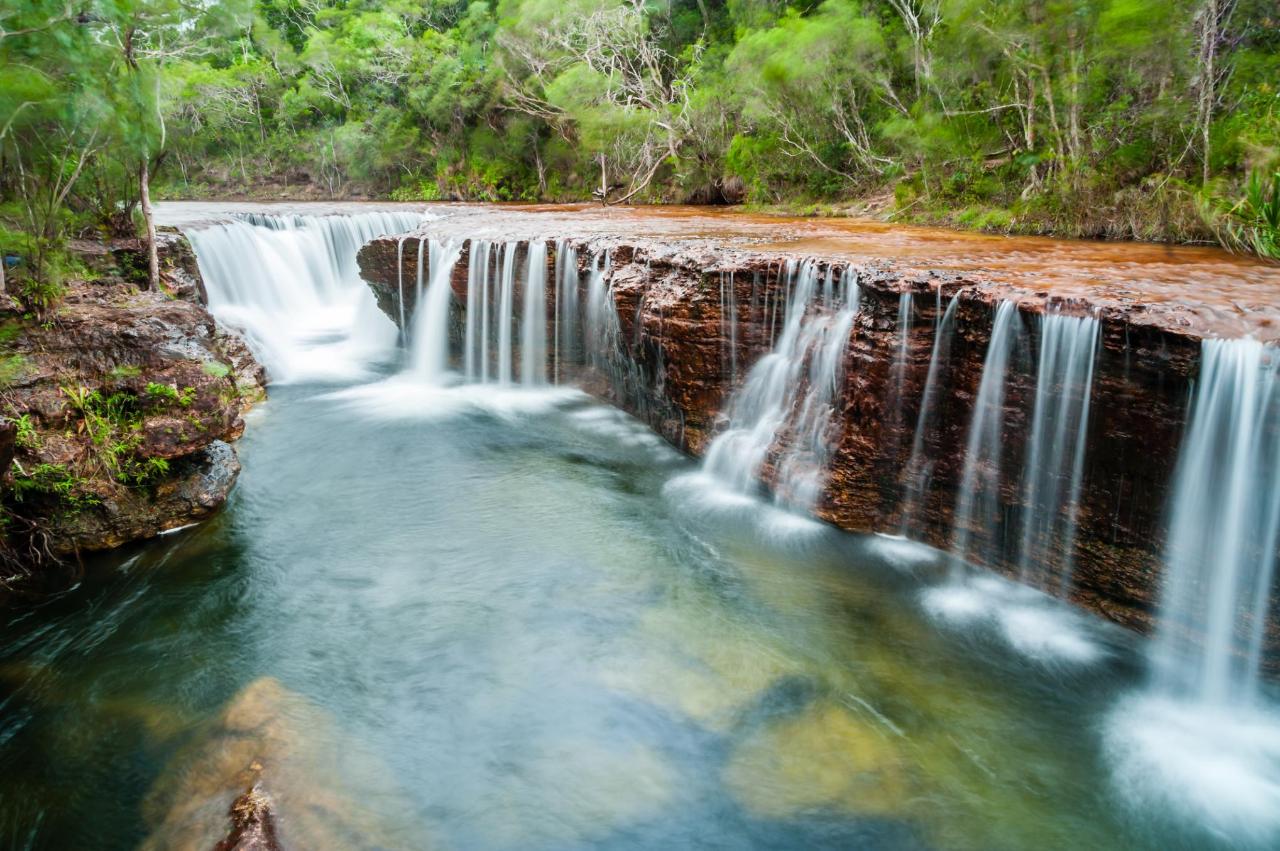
[{"x": 119, "y": 407}]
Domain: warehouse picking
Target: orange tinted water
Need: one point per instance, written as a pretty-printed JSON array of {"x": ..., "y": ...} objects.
[{"x": 1199, "y": 290}]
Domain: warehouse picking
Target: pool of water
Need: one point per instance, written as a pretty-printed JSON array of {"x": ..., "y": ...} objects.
[{"x": 479, "y": 619}]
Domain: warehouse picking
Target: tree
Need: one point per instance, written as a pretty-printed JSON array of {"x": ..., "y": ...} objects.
[{"x": 148, "y": 34}]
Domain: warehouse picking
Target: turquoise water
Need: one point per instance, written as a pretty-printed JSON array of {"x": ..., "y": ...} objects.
[{"x": 476, "y": 619}]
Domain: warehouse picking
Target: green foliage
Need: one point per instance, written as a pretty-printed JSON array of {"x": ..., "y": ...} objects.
[
  {"x": 25, "y": 435},
  {"x": 12, "y": 368},
  {"x": 215, "y": 369},
  {"x": 165, "y": 395},
  {"x": 113, "y": 425},
  {"x": 123, "y": 372},
  {"x": 51, "y": 480},
  {"x": 1083, "y": 118},
  {"x": 1252, "y": 223}
]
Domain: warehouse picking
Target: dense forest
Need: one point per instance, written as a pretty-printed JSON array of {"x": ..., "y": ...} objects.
[{"x": 1115, "y": 118}]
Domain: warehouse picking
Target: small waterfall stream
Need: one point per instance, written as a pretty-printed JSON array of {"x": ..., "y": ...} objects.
[
  {"x": 429, "y": 357},
  {"x": 291, "y": 285},
  {"x": 976, "y": 502},
  {"x": 533, "y": 337},
  {"x": 920, "y": 466},
  {"x": 777, "y": 396},
  {"x": 1054, "y": 466},
  {"x": 1223, "y": 528}
]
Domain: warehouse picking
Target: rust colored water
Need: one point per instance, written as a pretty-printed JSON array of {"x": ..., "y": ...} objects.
[{"x": 1201, "y": 291}]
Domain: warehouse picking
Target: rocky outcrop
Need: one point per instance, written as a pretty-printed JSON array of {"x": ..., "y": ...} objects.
[
  {"x": 119, "y": 406},
  {"x": 671, "y": 299}
]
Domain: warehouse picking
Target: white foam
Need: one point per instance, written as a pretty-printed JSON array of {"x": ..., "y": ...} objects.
[
  {"x": 955, "y": 603},
  {"x": 1047, "y": 634},
  {"x": 1031, "y": 623},
  {"x": 1210, "y": 766},
  {"x": 403, "y": 397},
  {"x": 901, "y": 551}
]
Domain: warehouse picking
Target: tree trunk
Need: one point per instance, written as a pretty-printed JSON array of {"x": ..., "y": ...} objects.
[
  {"x": 153, "y": 254},
  {"x": 1208, "y": 53}
]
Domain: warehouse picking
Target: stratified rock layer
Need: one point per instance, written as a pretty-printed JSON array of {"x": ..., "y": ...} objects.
[{"x": 670, "y": 297}]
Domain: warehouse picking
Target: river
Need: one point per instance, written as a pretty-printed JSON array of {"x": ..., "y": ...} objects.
[{"x": 492, "y": 618}]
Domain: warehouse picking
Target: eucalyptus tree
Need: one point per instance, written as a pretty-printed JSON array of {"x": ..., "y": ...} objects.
[{"x": 599, "y": 73}]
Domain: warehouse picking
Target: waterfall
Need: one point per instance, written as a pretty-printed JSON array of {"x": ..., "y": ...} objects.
[
  {"x": 770, "y": 396},
  {"x": 506, "y": 311},
  {"x": 977, "y": 504},
  {"x": 1056, "y": 447},
  {"x": 533, "y": 333},
  {"x": 430, "y": 340},
  {"x": 400, "y": 283},
  {"x": 1225, "y": 515},
  {"x": 729, "y": 325},
  {"x": 474, "y": 349},
  {"x": 803, "y": 468},
  {"x": 600, "y": 315},
  {"x": 904, "y": 349},
  {"x": 565, "y": 311},
  {"x": 291, "y": 285},
  {"x": 920, "y": 468}
]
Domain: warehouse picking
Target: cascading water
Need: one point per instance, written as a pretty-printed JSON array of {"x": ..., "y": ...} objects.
[
  {"x": 430, "y": 341},
  {"x": 596, "y": 324},
  {"x": 1224, "y": 521},
  {"x": 291, "y": 285},
  {"x": 770, "y": 395},
  {"x": 920, "y": 467},
  {"x": 729, "y": 326},
  {"x": 980, "y": 484},
  {"x": 568, "y": 318},
  {"x": 506, "y": 312},
  {"x": 803, "y": 469},
  {"x": 475, "y": 353},
  {"x": 1203, "y": 738},
  {"x": 1056, "y": 449},
  {"x": 533, "y": 332},
  {"x": 904, "y": 349}
]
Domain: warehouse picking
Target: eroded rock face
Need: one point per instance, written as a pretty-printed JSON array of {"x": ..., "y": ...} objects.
[
  {"x": 671, "y": 306},
  {"x": 119, "y": 407}
]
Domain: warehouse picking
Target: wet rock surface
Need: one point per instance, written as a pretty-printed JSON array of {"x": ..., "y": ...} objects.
[
  {"x": 671, "y": 298},
  {"x": 253, "y": 823},
  {"x": 118, "y": 407}
]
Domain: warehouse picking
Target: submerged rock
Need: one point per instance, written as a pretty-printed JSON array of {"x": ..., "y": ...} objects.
[
  {"x": 284, "y": 772},
  {"x": 823, "y": 758},
  {"x": 253, "y": 823}
]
